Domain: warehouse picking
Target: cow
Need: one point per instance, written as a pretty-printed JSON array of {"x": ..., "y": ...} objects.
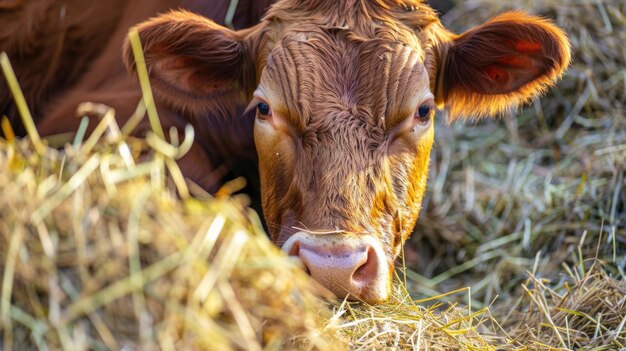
[
  {"x": 329, "y": 105},
  {"x": 342, "y": 94}
]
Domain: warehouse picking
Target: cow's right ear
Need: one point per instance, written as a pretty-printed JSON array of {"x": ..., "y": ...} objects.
[{"x": 192, "y": 61}]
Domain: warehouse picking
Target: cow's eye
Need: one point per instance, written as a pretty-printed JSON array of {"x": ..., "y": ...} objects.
[
  {"x": 264, "y": 110},
  {"x": 424, "y": 113}
]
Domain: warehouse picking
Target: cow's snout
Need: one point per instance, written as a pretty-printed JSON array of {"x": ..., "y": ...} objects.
[{"x": 352, "y": 266}]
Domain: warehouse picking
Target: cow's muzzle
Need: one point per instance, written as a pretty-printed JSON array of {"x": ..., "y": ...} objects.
[{"x": 349, "y": 266}]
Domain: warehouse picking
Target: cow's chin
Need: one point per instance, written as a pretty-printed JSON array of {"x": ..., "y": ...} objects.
[{"x": 350, "y": 266}]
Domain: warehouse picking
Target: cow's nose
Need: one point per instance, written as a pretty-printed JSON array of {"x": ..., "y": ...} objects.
[
  {"x": 355, "y": 267},
  {"x": 340, "y": 270}
]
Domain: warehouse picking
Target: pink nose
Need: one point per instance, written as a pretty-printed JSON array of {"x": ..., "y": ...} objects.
[{"x": 348, "y": 266}]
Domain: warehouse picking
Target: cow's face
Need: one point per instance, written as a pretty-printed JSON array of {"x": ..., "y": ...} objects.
[
  {"x": 344, "y": 130},
  {"x": 345, "y": 94}
]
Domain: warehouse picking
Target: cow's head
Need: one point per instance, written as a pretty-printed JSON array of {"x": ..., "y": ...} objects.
[{"x": 345, "y": 93}]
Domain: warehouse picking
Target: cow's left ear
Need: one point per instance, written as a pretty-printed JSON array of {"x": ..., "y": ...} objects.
[
  {"x": 194, "y": 64},
  {"x": 496, "y": 66}
]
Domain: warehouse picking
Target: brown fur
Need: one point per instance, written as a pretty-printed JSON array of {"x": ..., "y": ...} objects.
[
  {"x": 9, "y": 4},
  {"x": 46, "y": 42}
]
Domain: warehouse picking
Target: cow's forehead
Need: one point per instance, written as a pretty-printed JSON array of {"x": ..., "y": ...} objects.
[
  {"x": 363, "y": 17},
  {"x": 316, "y": 74}
]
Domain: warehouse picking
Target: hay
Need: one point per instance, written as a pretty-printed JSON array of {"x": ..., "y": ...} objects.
[
  {"x": 586, "y": 311},
  {"x": 404, "y": 324}
]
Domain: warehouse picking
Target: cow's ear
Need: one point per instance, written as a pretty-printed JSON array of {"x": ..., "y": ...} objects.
[
  {"x": 497, "y": 66},
  {"x": 194, "y": 64}
]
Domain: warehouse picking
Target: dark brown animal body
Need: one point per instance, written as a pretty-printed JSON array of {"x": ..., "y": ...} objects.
[
  {"x": 340, "y": 96},
  {"x": 68, "y": 52}
]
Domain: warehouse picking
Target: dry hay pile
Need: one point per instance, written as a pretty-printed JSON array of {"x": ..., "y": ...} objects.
[
  {"x": 405, "y": 324},
  {"x": 590, "y": 313},
  {"x": 98, "y": 254},
  {"x": 585, "y": 310}
]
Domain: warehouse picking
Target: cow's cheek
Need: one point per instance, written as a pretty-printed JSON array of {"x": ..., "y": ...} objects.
[
  {"x": 276, "y": 169},
  {"x": 420, "y": 169},
  {"x": 417, "y": 171}
]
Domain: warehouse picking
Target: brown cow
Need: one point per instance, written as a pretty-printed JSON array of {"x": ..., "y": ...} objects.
[{"x": 345, "y": 92}]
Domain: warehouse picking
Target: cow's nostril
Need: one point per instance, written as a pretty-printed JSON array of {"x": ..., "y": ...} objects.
[
  {"x": 366, "y": 272},
  {"x": 294, "y": 250}
]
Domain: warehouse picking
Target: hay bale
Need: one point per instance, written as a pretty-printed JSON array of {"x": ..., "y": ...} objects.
[{"x": 405, "y": 324}]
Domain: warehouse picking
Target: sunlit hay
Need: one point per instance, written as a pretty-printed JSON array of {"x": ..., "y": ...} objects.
[
  {"x": 518, "y": 192},
  {"x": 404, "y": 324}
]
